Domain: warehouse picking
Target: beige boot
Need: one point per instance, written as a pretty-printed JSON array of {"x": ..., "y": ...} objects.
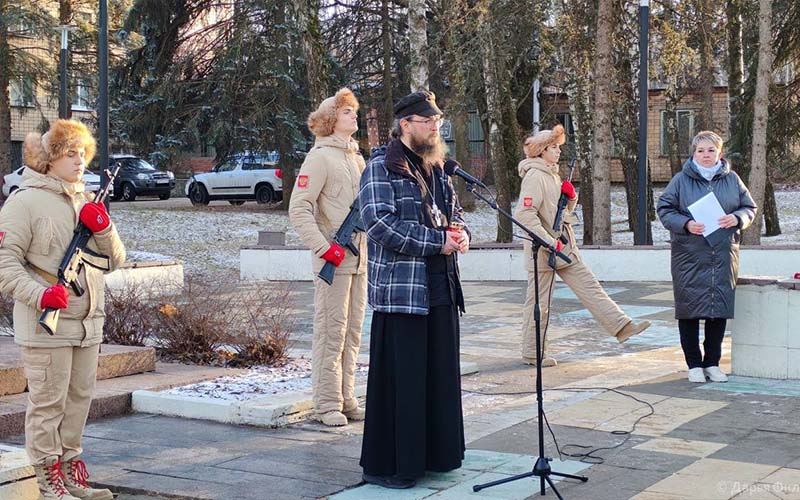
[
  {"x": 75, "y": 477},
  {"x": 356, "y": 414},
  {"x": 631, "y": 329},
  {"x": 546, "y": 361},
  {"x": 50, "y": 480},
  {"x": 332, "y": 418}
]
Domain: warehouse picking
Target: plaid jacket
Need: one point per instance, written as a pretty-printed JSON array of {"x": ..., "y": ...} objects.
[{"x": 398, "y": 241}]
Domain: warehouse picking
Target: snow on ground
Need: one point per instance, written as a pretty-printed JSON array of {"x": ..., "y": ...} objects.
[
  {"x": 260, "y": 381},
  {"x": 207, "y": 240}
]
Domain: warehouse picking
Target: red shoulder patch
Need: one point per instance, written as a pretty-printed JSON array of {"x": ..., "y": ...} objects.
[
  {"x": 527, "y": 201},
  {"x": 302, "y": 181},
  {"x": 2, "y": 237}
]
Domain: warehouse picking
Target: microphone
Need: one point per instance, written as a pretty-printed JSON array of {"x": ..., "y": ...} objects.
[{"x": 452, "y": 167}]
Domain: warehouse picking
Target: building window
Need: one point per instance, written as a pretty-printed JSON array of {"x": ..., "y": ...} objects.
[
  {"x": 686, "y": 131},
  {"x": 21, "y": 92},
  {"x": 80, "y": 96}
]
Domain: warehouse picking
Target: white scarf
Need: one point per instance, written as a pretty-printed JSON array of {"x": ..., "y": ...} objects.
[{"x": 708, "y": 173}]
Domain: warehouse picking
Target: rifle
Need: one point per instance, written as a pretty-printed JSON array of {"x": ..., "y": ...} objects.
[
  {"x": 76, "y": 256},
  {"x": 558, "y": 222},
  {"x": 344, "y": 238}
]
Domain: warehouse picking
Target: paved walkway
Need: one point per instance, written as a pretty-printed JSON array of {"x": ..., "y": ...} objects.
[{"x": 656, "y": 437}]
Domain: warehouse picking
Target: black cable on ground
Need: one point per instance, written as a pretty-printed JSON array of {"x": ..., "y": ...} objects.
[{"x": 589, "y": 456}]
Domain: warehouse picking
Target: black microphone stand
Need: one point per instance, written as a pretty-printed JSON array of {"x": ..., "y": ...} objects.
[{"x": 542, "y": 468}]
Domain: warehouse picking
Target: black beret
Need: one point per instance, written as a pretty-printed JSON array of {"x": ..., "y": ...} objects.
[{"x": 422, "y": 103}]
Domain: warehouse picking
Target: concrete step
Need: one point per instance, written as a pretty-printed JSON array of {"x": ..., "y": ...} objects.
[
  {"x": 113, "y": 396},
  {"x": 115, "y": 361}
]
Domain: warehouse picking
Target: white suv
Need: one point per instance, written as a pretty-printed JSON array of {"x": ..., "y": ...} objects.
[
  {"x": 13, "y": 180},
  {"x": 241, "y": 178}
]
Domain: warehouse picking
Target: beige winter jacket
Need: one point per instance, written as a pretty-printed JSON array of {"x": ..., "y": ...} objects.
[
  {"x": 326, "y": 186},
  {"x": 37, "y": 224},
  {"x": 537, "y": 207}
]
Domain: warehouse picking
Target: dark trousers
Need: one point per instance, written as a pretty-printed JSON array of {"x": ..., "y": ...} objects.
[
  {"x": 414, "y": 420},
  {"x": 712, "y": 341}
]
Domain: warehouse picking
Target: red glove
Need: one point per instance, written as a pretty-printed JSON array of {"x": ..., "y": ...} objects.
[
  {"x": 568, "y": 189},
  {"x": 559, "y": 246},
  {"x": 797, "y": 276},
  {"x": 334, "y": 254},
  {"x": 94, "y": 216},
  {"x": 56, "y": 297}
]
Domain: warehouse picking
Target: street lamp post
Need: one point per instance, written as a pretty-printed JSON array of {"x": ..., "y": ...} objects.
[
  {"x": 644, "y": 28},
  {"x": 63, "y": 92}
]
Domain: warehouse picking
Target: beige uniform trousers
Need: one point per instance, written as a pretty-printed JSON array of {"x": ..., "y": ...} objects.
[
  {"x": 584, "y": 285},
  {"x": 338, "y": 317},
  {"x": 61, "y": 383}
]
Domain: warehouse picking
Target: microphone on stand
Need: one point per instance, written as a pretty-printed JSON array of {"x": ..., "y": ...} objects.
[{"x": 452, "y": 167}]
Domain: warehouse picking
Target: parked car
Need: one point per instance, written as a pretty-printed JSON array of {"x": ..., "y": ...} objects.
[
  {"x": 241, "y": 178},
  {"x": 137, "y": 177},
  {"x": 13, "y": 180}
]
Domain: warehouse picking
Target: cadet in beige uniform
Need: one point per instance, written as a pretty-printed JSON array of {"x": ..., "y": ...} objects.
[
  {"x": 326, "y": 187},
  {"x": 536, "y": 208},
  {"x": 36, "y": 227}
]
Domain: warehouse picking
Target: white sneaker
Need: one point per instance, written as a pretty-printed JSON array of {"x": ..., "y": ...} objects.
[
  {"x": 715, "y": 374},
  {"x": 697, "y": 376}
]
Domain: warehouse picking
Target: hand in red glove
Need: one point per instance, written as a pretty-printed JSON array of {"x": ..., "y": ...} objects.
[
  {"x": 94, "y": 216},
  {"x": 559, "y": 246},
  {"x": 797, "y": 276},
  {"x": 56, "y": 297},
  {"x": 334, "y": 254},
  {"x": 568, "y": 189}
]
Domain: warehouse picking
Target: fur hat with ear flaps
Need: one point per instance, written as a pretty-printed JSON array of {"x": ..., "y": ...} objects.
[
  {"x": 536, "y": 144},
  {"x": 40, "y": 150},
  {"x": 321, "y": 121}
]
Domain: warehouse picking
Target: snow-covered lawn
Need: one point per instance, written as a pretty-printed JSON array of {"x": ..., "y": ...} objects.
[
  {"x": 208, "y": 240},
  {"x": 260, "y": 381}
]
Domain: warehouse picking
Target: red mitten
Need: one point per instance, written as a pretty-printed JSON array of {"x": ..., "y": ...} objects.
[
  {"x": 334, "y": 254},
  {"x": 568, "y": 189},
  {"x": 559, "y": 246},
  {"x": 797, "y": 276},
  {"x": 56, "y": 297},
  {"x": 94, "y": 216}
]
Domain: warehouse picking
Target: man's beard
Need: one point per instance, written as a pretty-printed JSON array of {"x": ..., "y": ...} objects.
[{"x": 430, "y": 150}]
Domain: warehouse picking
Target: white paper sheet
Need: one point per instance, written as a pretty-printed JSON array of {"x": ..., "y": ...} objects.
[{"x": 707, "y": 211}]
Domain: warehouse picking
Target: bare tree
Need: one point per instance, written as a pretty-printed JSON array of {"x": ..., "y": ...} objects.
[
  {"x": 602, "y": 139},
  {"x": 418, "y": 44},
  {"x": 758, "y": 170},
  {"x": 495, "y": 117},
  {"x": 307, "y": 12}
]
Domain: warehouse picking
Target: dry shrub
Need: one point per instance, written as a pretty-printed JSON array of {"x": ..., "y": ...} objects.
[
  {"x": 264, "y": 327},
  {"x": 6, "y": 312},
  {"x": 220, "y": 322},
  {"x": 192, "y": 326},
  {"x": 128, "y": 315}
]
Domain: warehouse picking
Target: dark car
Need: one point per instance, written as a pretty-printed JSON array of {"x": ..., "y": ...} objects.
[{"x": 137, "y": 177}]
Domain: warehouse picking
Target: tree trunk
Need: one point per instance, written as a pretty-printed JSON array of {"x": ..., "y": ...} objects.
[
  {"x": 771, "y": 223},
  {"x": 387, "y": 113},
  {"x": 307, "y": 12},
  {"x": 5, "y": 100},
  {"x": 461, "y": 135},
  {"x": 64, "y": 19},
  {"x": 418, "y": 45},
  {"x": 284, "y": 137},
  {"x": 581, "y": 117},
  {"x": 494, "y": 112},
  {"x": 758, "y": 155},
  {"x": 735, "y": 67},
  {"x": 706, "y": 116},
  {"x": 601, "y": 147},
  {"x": 671, "y": 112}
]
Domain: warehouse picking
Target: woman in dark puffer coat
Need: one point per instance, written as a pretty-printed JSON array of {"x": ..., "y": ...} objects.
[{"x": 704, "y": 269}]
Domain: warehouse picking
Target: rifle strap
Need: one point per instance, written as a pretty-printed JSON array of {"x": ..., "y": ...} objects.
[{"x": 50, "y": 278}]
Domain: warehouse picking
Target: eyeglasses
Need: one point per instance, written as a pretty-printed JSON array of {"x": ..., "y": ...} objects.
[{"x": 437, "y": 122}]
